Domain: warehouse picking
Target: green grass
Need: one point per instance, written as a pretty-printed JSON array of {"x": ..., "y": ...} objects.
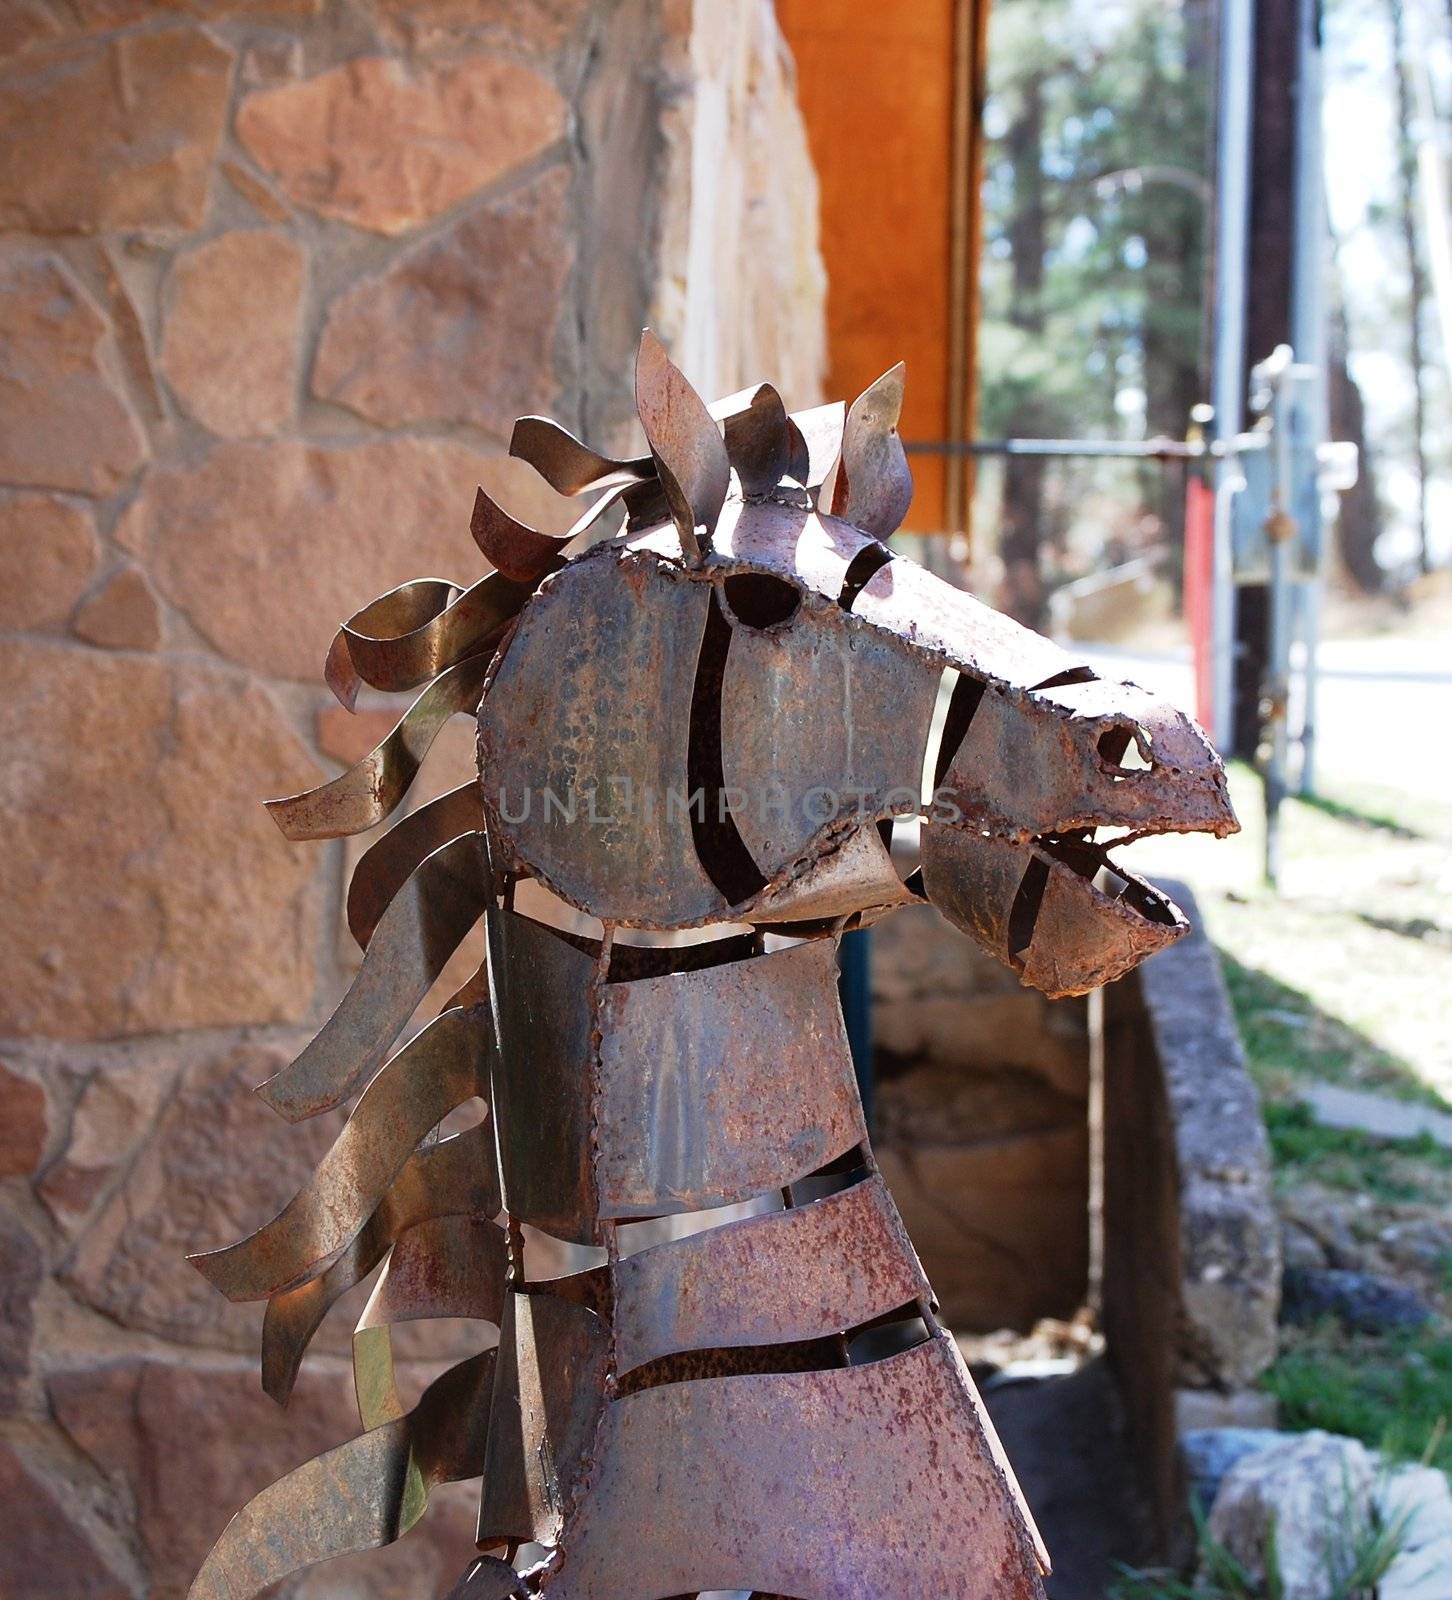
[
  {"x": 1287, "y": 1036},
  {"x": 1344, "y": 1159},
  {"x": 1354, "y": 1569},
  {"x": 1393, "y": 1392}
]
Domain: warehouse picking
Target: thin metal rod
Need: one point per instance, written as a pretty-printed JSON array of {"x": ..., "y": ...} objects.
[
  {"x": 1235, "y": 57},
  {"x": 960, "y": 199},
  {"x": 1108, "y": 449}
]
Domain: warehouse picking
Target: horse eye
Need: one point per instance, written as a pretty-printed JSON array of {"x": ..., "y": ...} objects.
[{"x": 758, "y": 600}]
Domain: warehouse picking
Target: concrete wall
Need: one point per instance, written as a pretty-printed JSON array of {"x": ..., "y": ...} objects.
[
  {"x": 1192, "y": 1246},
  {"x": 981, "y": 1124},
  {"x": 275, "y": 278}
]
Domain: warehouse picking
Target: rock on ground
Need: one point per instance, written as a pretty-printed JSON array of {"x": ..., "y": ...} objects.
[{"x": 1311, "y": 1497}]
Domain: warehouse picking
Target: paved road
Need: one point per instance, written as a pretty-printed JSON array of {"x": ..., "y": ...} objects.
[{"x": 1384, "y": 710}]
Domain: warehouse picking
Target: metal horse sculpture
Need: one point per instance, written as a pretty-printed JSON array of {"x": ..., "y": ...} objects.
[{"x": 711, "y": 718}]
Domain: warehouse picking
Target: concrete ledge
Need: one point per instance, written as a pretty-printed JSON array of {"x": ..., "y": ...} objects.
[{"x": 1192, "y": 1253}]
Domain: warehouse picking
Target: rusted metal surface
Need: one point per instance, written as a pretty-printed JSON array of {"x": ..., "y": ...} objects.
[
  {"x": 448, "y": 1266},
  {"x": 455, "y": 1177},
  {"x": 549, "y": 1391},
  {"x": 708, "y": 1096},
  {"x": 385, "y": 867},
  {"x": 436, "y": 906},
  {"x": 874, "y": 485},
  {"x": 710, "y": 719},
  {"x": 413, "y": 633},
  {"x": 542, "y": 1087},
  {"x": 608, "y": 746},
  {"x": 369, "y": 792},
  {"x": 872, "y": 1480},
  {"x": 863, "y": 762},
  {"x": 801, "y": 1273},
  {"x": 361, "y": 1496},
  {"x": 523, "y": 553},
  {"x": 689, "y": 451},
  {"x": 447, "y": 1064}
]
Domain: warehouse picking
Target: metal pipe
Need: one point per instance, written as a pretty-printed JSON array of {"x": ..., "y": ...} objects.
[
  {"x": 1091, "y": 449},
  {"x": 1236, "y": 47}
]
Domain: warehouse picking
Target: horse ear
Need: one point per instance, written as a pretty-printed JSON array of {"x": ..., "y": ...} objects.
[
  {"x": 759, "y": 439},
  {"x": 690, "y": 454},
  {"x": 874, "y": 485}
]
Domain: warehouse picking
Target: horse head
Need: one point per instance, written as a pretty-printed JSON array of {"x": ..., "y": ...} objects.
[{"x": 718, "y": 714}]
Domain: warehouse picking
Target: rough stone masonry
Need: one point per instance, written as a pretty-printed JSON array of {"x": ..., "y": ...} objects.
[{"x": 275, "y": 278}]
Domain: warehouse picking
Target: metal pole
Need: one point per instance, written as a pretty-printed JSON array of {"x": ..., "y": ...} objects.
[
  {"x": 1281, "y": 532},
  {"x": 1236, "y": 47},
  {"x": 1310, "y": 404}
]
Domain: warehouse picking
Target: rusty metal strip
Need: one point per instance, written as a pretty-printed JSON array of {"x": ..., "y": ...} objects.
[
  {"x": 870, "y": 1480},
  {"x": 759, "y": 441},
  {"x": 689, "y": 452},
  {"x": 548, "y": 1396},
  {"x": 708, "y": 1096},
  {"x": 1039, "y": 910},
  {"x": 542, "y": 985},
  {"x": 1068, "y": 774},
  {"x": 567, "y": 465},
  {"x": 612, "y": 750},
  {"x": 449, "y": 1266},
  {"x": 368, "y": 793},
  {"x": 821, "y": 431},
  {"x": 360, "y": 1496},
  {"x": 409, "y": 606},
  {"x": 444, "y": 1066},
  {"x": 804, "y": 1273},
  {"x": 521, "y": 552},
  {"x": 386, "y": 866},
  {"x": 415, "y": 632},
  {"x": 439, "y": 903},
  {"x": 874, "y": 484},
  {"x": 832, "y": 773},
  {"x": 458, "y": 1176}
]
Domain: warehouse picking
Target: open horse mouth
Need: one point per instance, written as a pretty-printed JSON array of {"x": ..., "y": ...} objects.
[{"x": 1060, "y": 908}]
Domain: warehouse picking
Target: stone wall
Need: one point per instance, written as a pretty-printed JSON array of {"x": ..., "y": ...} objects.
[
  {"x": 1191, "y": 1243},
  {"x": 275, "y": 278},
  {"x": 981, "y": 1124}
]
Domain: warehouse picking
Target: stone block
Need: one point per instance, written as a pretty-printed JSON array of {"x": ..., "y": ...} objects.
[
  {"x": 65, "y": 421},
  {"x": 983, "y": 1033},
  {"x": 48, "y": 551},
  {"x": 267, "y": 548},
  {"x": 115, "y": 134},
  {"x": 148, "y": 888},
  {"x": 48, "y": 1552},
  {"x": 1418, "y": 1502},
  {"x": 386, "y": 145},
  {"x": 190, "y": 1444},
  {"x": 940, "y": 1103},
  {"x": 24, "y": 1123},
  {"x": 218, "y": 1164},
  {"x": 1309, "y": 1499},
  {"x": 123, "y": 614},
  {"x": 1002, "y": 1228},
  {"x": 21, "y": 1271},
  {"x": 442, "y": 335},
  {"x": 1202, "y": 1409},
  {"x": 231, "y": 330},
  {"x": 123, "y": 1088}
]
